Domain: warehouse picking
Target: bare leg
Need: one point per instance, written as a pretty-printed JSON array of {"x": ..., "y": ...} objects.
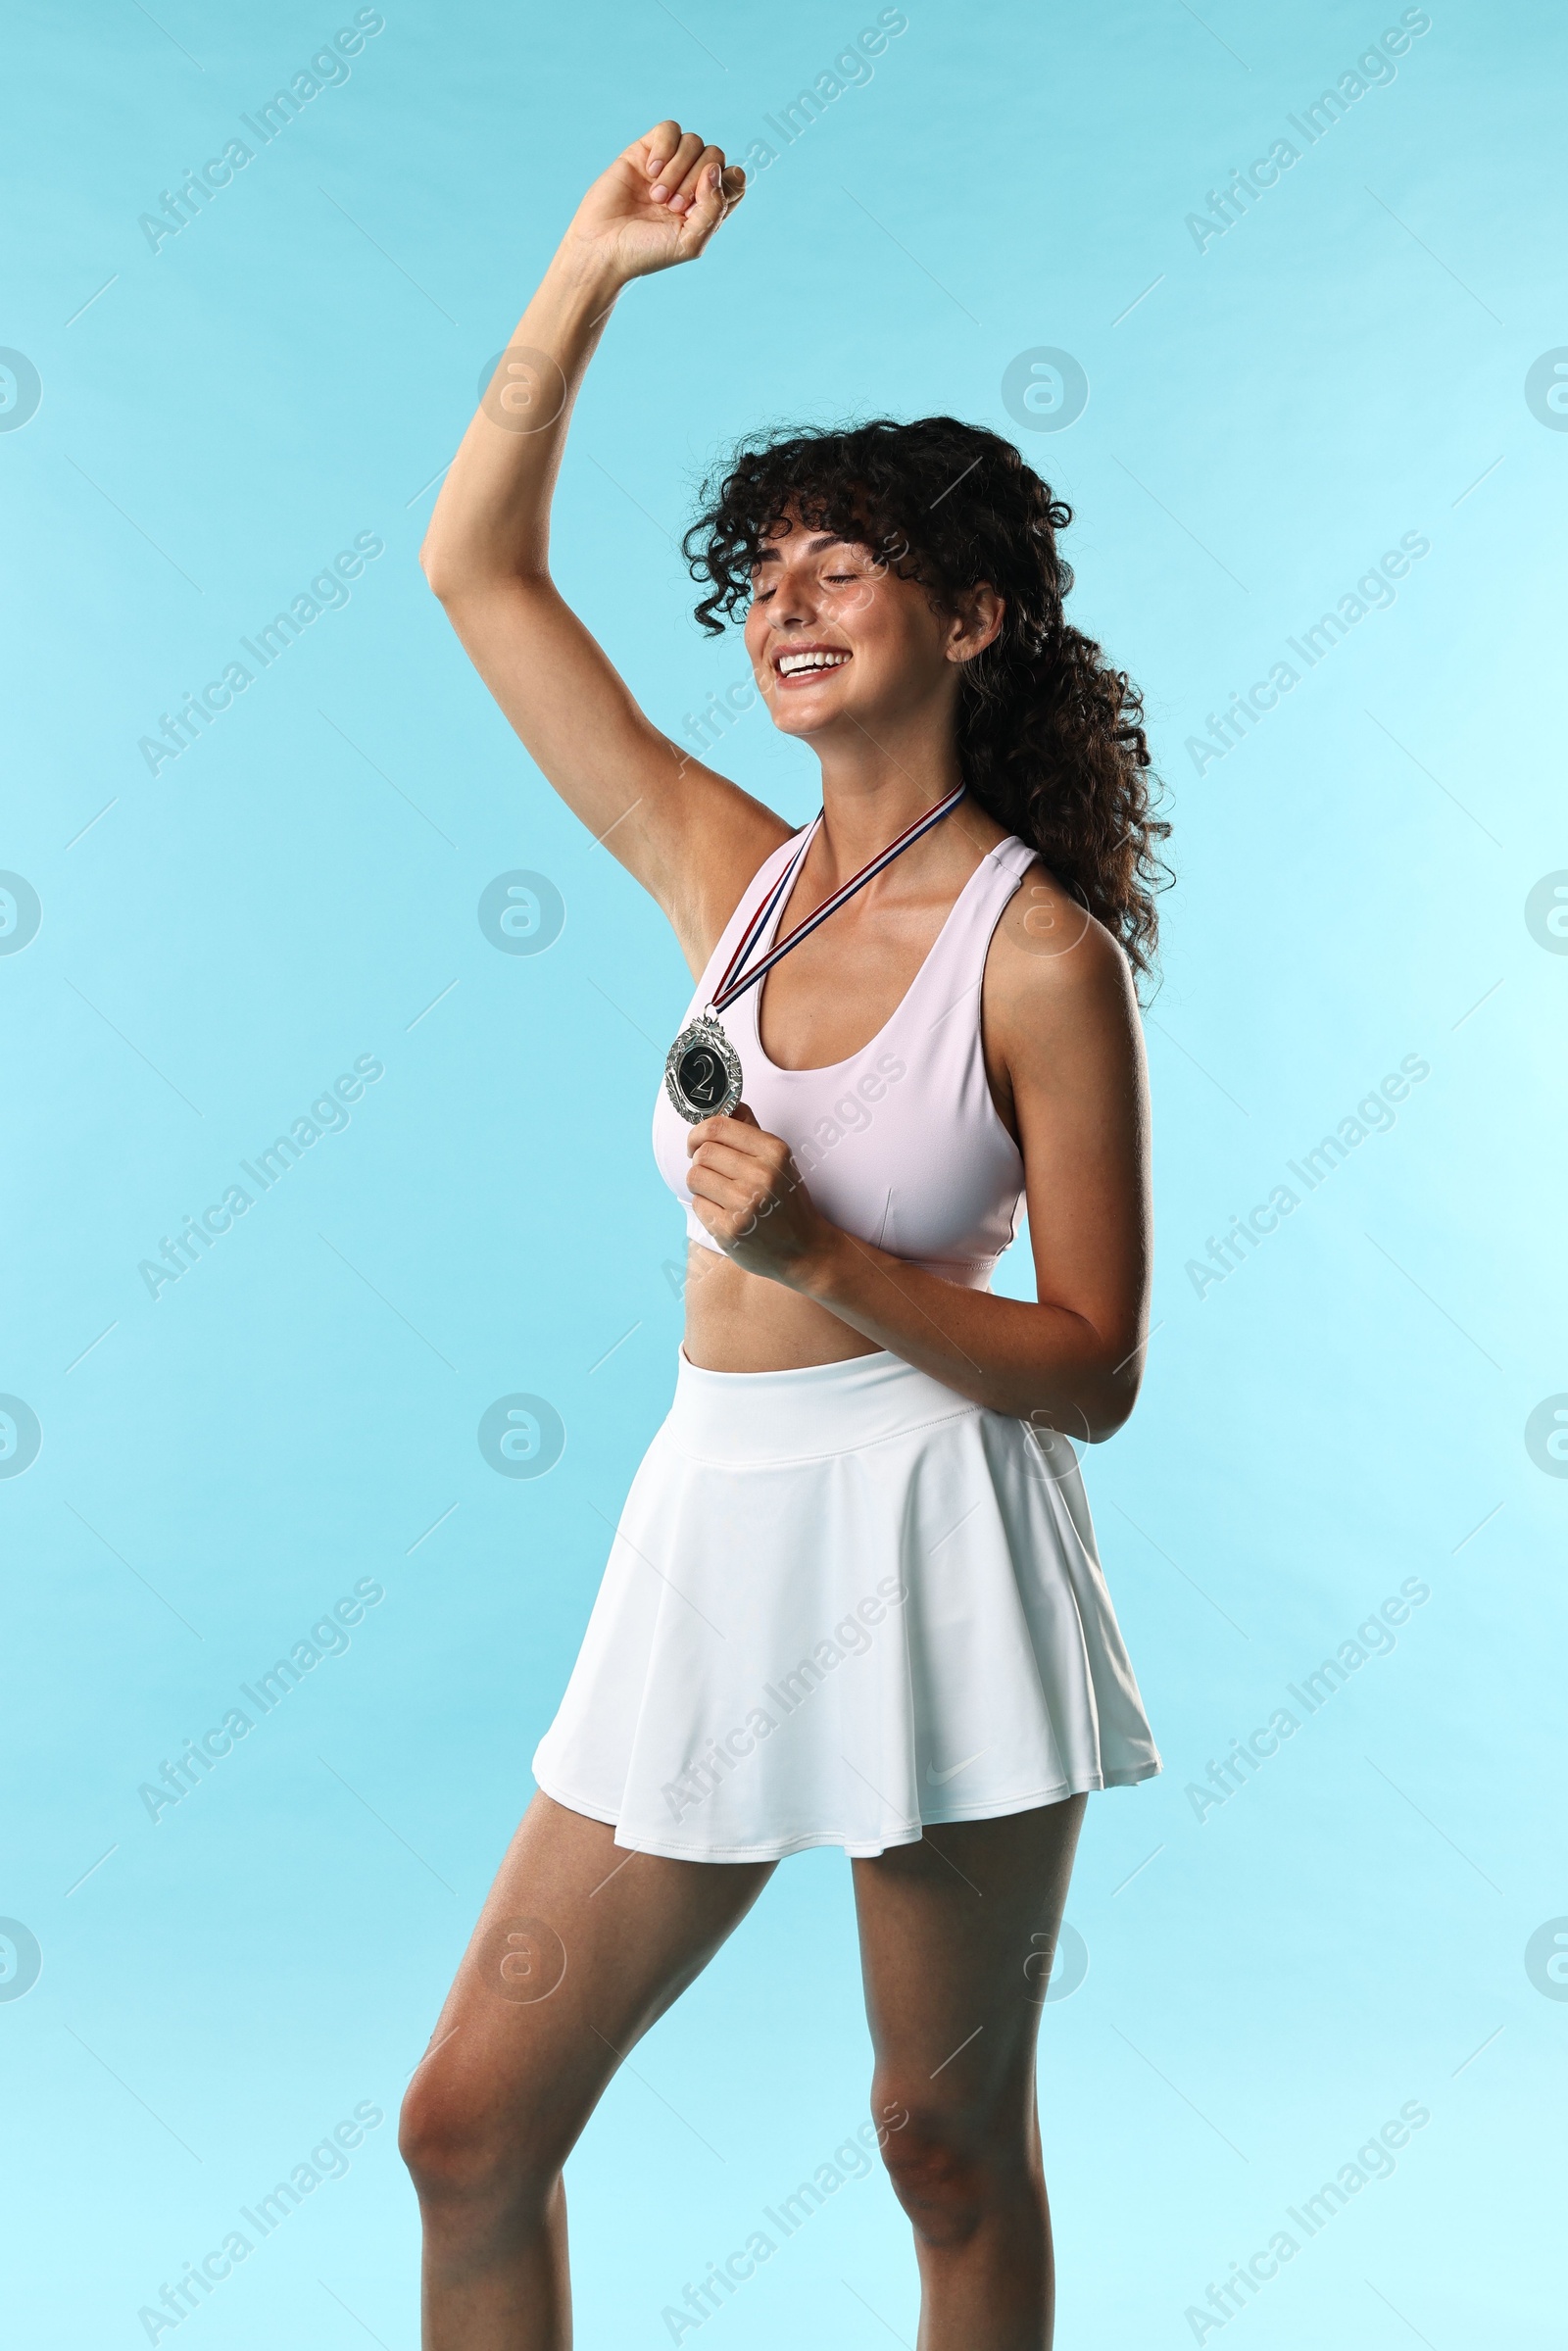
[
  {"x": 956, "y": 1935},
  {"x": 579, "y": 1948}
]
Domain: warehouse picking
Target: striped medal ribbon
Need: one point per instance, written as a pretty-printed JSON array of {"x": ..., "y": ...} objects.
[{"x": 702, "y": 1075}]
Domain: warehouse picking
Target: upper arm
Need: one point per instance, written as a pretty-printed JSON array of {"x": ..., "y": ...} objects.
[
  {"x": 1062, "y": 1015},
  {"x": 691, "y": 837}
]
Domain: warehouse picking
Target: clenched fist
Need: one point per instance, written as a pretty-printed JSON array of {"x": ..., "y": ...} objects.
[
  {"x": 657, "y": 203},
  {"x": 751, "y": 1195}
]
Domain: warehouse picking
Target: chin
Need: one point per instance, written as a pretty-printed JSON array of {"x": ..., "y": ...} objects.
[
  {"x": 788, "y": 722},
  {"x": 794, "y": 715}
]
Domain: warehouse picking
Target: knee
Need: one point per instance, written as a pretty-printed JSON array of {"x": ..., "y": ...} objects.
[
  {"x": 952, "y": 2169},
  {"x": 443, "y": 2141},
  {"x": 458, "y": 2150}
]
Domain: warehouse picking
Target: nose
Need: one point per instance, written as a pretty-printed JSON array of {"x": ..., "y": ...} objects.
[{"x": 794, "y": 604}]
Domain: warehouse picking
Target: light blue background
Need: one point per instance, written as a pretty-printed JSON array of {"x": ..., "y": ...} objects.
[{"x": 1346, "y": 365}]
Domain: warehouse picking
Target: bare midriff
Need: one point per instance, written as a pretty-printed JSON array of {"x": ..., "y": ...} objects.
[{"x": 738, "y": 1321}]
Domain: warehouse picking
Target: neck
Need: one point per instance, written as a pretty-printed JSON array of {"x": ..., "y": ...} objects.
[{"x": 873, "y": 789}]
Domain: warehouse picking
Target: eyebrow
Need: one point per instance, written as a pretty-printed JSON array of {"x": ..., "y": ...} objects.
[{"x": 770, "y": 553}]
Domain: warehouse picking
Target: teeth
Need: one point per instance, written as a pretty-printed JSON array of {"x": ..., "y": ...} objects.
[{"x": 793, "y": 664}]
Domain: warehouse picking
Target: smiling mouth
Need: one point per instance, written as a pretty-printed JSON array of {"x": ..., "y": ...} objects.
[{"x": 804, "y": 668}]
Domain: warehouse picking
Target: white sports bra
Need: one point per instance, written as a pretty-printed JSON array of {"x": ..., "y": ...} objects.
[{"x": 901, "y": 1145}]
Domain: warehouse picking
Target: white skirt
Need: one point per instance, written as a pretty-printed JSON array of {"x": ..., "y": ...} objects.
[{"x": 842, "y": 1604}]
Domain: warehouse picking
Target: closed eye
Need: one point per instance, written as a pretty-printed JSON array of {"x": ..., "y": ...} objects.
[{"x": 830, "y": 579}]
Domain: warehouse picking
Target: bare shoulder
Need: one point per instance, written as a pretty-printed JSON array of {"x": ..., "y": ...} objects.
[{"x": 1057, "y": 983}]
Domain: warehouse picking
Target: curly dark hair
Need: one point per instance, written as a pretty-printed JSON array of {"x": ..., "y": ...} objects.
[{"x": 1050, "y": 737}]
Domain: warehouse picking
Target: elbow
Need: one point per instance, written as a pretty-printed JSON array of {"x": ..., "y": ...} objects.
[
  {"x": 451, "y": 566},
  {"x": 440, "y": 576},
  {"x": 1109, "y": 1420},
  {"x": 1110, "y": 1405},
  {"x": 1092, "y": 1409},
  {"x": 1105, "y": 1390},
  {"x": 1091, "y": 1384},
  {"x": 454, "y": 575}
]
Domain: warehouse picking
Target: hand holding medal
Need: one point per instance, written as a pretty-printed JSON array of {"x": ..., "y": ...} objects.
[{"x": 751, "y": 1196}]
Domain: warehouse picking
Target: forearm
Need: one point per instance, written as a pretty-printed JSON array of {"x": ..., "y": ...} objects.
[
  {"x": 492, "y": 518},
  {"x": 657, "y": 203},
  {"x": 1041, "y": 1363}
]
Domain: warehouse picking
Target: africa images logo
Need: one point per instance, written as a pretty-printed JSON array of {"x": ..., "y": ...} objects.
[
  {"x": 21, "y": 390},
  {"x": 21, "y": 912},
  {"x": 328, "y": 593},
  {"x": 1547, "y": 1959},
  {"x": 329, "y": 1114},
  {"x": 21, "y": 1435},
  {"x": 521, "y": 1436},
  {"x": 21, "y": 1959},
  {"x": 327, "y": 70}
]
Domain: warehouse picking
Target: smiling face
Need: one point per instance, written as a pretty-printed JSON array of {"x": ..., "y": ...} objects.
[{"x": 841, "y": 644}]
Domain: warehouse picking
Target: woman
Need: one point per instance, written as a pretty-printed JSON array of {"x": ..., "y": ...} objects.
[{"x": 853, "y": 1598}]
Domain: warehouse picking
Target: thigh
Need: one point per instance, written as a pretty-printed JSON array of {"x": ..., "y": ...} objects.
[
  {"x": 956, "y": 1938},
  {"x": 579, "y": 1948}
]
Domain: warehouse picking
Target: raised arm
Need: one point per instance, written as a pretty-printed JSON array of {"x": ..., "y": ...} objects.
[{"x": 688, "y": 835}]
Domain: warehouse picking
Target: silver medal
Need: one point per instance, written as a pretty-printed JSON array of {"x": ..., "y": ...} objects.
[{"x": 702, "y": 1075}]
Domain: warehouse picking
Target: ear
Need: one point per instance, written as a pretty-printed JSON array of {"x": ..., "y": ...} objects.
[{"x": 976, "y": 623}]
